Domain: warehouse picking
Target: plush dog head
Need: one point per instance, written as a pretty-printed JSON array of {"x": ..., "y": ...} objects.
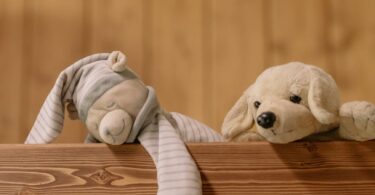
[{"x": 286, "y": 103}]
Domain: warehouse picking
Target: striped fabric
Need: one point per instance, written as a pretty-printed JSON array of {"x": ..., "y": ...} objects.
[
  {"x": 164, "y": 141},
  {"x": 49, "y": 122},
  {"x": 176, "y": 170},
  {"x": 162, "y": 134},
  {"x": 190, "y": 130},
  {"x": 79, "y": 86}
]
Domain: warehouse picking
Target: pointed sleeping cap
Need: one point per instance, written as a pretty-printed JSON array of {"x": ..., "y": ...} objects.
[{"x": 79, "y": 85}]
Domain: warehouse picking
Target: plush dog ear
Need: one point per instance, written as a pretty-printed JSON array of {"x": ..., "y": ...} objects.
[
  {"x": 323, "y": 98},
  {"x": 238, "y": 119}
]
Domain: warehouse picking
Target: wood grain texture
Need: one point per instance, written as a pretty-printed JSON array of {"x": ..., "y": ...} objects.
[
  {"x": 237, "y": 52},
  {"x": 352, "y": 39},
  {"x": 175, "y": 66},
  {"x": 54, "y": 41},
  {"x": 297, "y": 32},
  {"x": 116, "y": 25},
  {"x": 226, "y": 168},
  {"x": 199, "y": 55},
  {"x": 11, "y": 49}
]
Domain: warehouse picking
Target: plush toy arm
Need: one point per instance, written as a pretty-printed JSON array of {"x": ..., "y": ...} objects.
[
  {"x": 191, "y": 130},
  {"x": 357, "y": 121}
]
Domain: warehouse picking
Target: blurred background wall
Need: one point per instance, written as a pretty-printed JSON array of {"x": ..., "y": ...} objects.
[{"x": 200, "y": 55}]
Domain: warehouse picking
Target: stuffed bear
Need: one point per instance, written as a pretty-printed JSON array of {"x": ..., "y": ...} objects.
[
  {"x": 117, "y": 107},
  {"x": 297, "y": 101}
]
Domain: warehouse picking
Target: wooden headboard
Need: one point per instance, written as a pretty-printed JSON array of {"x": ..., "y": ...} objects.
[{"x": 226, "y": 168}]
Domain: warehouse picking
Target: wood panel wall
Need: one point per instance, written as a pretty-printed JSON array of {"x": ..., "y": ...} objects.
[{"x": 199, "y": 55}]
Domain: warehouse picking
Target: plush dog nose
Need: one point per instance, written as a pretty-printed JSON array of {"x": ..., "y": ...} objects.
[{"x": 266, "y": 119}]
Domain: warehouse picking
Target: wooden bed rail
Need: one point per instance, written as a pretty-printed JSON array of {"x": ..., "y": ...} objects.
[{"x": 226, "y": 168}]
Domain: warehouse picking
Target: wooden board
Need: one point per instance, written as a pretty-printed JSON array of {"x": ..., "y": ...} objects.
[
  {"x": 237, "y": 45},
  {"x": 297, "y": 31},
  {"x": 226, "y": 168},
  {"x": 116, "y": 25},
  {"x": 353, "y": 42},
  {"x": 12, "y": 72},
  {"x": 54, "y": 41},
  {"x": 175, "y": 66}
]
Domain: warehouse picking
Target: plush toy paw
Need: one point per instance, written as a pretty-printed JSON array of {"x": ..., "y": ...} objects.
[{"x": 357, "y": 121}]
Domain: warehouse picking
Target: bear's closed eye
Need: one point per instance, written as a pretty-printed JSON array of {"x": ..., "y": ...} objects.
[{"x": 111, "y": 105}]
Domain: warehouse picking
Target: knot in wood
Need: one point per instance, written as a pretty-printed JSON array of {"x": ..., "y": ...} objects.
[{"x": 103, "y": 177}]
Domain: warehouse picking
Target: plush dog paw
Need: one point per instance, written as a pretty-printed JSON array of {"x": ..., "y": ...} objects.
[{"x": 357, "y": 121}]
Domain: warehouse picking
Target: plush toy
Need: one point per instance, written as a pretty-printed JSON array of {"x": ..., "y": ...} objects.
[
  {"x": 117, "y": 107},
  {"x": 296, "y": 101}
]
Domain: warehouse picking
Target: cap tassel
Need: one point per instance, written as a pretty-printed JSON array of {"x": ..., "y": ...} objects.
[{"x": 117, "y": 61}]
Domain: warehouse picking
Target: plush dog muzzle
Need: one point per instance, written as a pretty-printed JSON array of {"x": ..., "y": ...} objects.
[{"x": 282, "y": 121}]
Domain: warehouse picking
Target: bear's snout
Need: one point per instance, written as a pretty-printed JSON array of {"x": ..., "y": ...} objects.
[{"x": 266, "y": 119}]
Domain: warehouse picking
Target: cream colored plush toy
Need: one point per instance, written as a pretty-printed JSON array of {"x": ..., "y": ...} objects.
[
  {"x": 295, "y": 101},
  {"x": 117, "y": 107}
]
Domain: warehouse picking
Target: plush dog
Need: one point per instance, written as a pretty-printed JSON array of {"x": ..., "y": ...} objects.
[
  {"x": 117, "y": 107},
  {"x": 296, "y": 101}
]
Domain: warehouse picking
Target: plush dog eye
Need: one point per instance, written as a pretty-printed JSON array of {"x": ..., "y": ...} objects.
[
  {"x": 256, "y": 104},
  {"x": 295, "y": 99}
]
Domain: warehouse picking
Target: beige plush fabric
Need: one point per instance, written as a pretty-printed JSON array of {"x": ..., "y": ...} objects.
[
  {"x": 318, "y": 110},
  {"x": 117, "y": 107},
  {"x": 49, "y": 122},
  {"x": 177, "y": 172},
  {"x": 357, "y": 121}
]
